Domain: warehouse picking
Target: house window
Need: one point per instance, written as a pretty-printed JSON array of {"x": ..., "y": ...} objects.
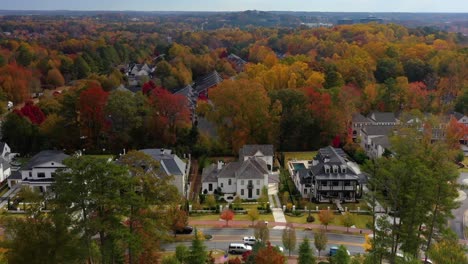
[
  {"x": 347, "y": 183},
  {"x": 323, "y": 183},
  {"x": 258, "y": 182},
  {"x": 53, "y": 174},
  {"x": 305, "y": 191},
  {"x": 242, "y": 182},
  {"x": 41, "y": 175},
  {"x": 210, "y": 187},
  {"x": 258, "y": 191},
  {"x": 229, "y": 182},
  {"x": 242, "y": 191},
  {"x": 30, "y": 174},
  {"x": 222, "y": 185},
  {"x": 335, "y": 183}
]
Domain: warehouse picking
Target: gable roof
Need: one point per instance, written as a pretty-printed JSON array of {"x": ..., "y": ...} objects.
[
  {"x": 171, "y": 164},
  {"x": 251, "y": 150},
  {"x": 358, "y": 118},
  {"x": 377, "y": 130},
  {"x": 381, "y": 141},
  {"x": 252, "y": 169},
  {"x": 382, "y": 117},
  {"x": 205, "y": 82},
  {"x": 209, "y": 174},
  {"x": 45, "y": 156}
]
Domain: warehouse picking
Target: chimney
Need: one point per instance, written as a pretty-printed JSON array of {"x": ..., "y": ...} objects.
[{"x": 220, "y": 164}]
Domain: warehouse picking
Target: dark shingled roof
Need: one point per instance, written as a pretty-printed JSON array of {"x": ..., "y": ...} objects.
[
  {"x": 377, "y": 130},
  {"x": 382, "y": 117},
  {"x": 207, "y": 81},
  {"x": 358, "y": 118},
  {"x": 209, "y": 174},
  {"x": 250, "y": 150},
  {"x": 382, "y": 141},
  {"x": 328, "y": 157},
  {"x": 252, "y": 168},
  {"x": 16, "y": 175},
  {"x": 171, "y": 163},
  {"x": 45, "y": 156}
]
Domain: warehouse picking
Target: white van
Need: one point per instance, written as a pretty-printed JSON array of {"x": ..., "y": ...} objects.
[
  {"x": 251, "y": 240},
  {"x": 238, "y": 248}
]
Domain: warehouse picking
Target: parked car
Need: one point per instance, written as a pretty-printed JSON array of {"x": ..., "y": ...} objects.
[
  {"x": 185, "y": 230},
  {"x": 251, "y": 240},
  {"x": 238, "y": 248}
]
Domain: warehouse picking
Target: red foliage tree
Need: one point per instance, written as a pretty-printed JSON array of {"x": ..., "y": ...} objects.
[
  {"x": 15, "y": 81},
  {"x": 269, "y": 255},
  {"x": 170, "y": 111},
  {"x": 148, "y": 87},
  {"x": 92, "y": 103},
  {"x": 227, "y": 215},
  {"x": 32, "y": 112}
]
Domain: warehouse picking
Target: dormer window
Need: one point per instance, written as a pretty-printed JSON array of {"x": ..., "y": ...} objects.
[
  {"x": 343, "y": 169},
  {"x": 327, "y": 169},
  {"x": 335, "y": 169}
]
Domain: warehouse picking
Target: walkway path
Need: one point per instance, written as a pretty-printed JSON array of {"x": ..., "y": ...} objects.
[
  {"x": 278, "y": 214},
  {"x": 247, "y": 224},
  {"x": 10, "y": 194}
]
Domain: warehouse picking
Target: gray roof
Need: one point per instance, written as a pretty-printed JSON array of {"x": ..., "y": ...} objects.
[
  {"x": 229, "y": 170},
  {"x": 252, "y": 168},
  {"x": 358, "y": 118},
  {"x": 382, "y": 117},
  {"x": 382, "y": 141},
  {"x": 273, "y": 178},
  {"x": 170, "y": 163},
  {"x": 5, "y": 163},
  {"x": 16, "y": 175},
  {"x": 457, "y": 115},
  {"x": 209, "y": 174},
  {"x": 45, "y": 156},
  {"x": 209, "y": 80},
  {"x": 330, "y": 157},
  {"x": 377, "y": 130},
  {"x": 250, "y": 150}
]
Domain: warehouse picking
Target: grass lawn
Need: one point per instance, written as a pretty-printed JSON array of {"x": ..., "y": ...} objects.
[
  {"x": 237, "y": 217},
  {"x": 360, "y": 220},
  {"x": 306, "y": 155},
  {"x": 465, "y": 161}
]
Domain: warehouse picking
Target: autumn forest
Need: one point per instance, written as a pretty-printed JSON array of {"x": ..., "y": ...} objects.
[{"x": 68, "y": 81}]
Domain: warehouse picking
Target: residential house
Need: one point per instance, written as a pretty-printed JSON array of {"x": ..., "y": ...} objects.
[
  {"x": 206, "y": 82},
  {"x": 264, "y": 152},
  {"x": 244, "y": 178},
  {"x": 358, "y": 121},
  {"x": 330, "y": 176},
  {"x": 237, "y": 62},
  {"x": 382, "y": 118},
  {"x": 39, "y": 172},
  {"x": 5, "y": 169},
  {"x": 373, "y": 135},
  {"x": 172, "y": 165},
  {"x": 189, "y": 93}
]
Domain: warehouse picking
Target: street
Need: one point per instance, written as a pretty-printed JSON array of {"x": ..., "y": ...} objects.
[{"x": 223, "y": 236}]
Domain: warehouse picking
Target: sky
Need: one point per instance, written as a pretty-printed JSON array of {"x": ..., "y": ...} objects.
[{"x": 458, "y": 6}]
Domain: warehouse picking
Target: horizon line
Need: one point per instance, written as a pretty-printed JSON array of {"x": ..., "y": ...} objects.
[{"x": 230, "y": 11}]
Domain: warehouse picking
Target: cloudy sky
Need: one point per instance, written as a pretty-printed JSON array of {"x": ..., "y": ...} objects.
[{"x": 239, "y": 5}]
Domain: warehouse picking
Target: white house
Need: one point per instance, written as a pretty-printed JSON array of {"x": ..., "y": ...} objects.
[
  {"x": 172, "y": 165},
  {"x": 263, "y": 152},
  {"x": 5, "y": 169},
  {"x": 39, "y": 172},
  {"x": 241, "y": 178},
  {"x": 371, "y": 136}
]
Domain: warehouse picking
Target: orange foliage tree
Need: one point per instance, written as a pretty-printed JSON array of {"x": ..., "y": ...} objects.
[
  {"x": 15, "y": 81},
  {"x": 326, "y": 217},
  {"x": 269, "y": 255},
  {"x": 92, "y": 102},
  {"x": 227, "y": 215}
]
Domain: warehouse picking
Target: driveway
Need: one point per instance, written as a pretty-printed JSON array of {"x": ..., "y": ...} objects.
[{"x": 457, "y": 222}]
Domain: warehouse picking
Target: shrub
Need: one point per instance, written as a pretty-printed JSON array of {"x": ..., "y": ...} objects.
[{"x": 310, "y": 219}]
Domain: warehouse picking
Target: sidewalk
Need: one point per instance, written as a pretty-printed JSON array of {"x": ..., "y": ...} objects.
[{"x": 247, "y": 224}]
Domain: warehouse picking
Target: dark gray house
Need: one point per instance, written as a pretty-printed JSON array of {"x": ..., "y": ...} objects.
[{"x": 330, "y": 176}]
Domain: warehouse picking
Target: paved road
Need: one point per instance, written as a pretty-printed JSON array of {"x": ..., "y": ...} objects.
[
  {"x": 457, "y": 223},
  {"x": 223, "y": 236}
]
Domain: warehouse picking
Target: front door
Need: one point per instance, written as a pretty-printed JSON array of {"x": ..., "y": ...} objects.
[{"x": 250, "y": 193}]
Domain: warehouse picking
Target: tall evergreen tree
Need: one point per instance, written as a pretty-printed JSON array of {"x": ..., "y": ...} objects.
[
  {"x": 198, "y": 254},
  {"x": 306, "y": 255}
]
